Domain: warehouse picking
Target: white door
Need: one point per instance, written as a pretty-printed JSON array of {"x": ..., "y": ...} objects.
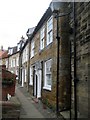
[
  {"x": 25, "y": 74},
  {"x": 22, "y": 77},
  {"x": 37, "y": 84}
]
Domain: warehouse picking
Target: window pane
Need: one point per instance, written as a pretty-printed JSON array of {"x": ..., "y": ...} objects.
[
  {"x": 42, "y": 34},
  {"x": 49, "y": 79},
  {"x": 49, "y": 31},
  {"x": 48, "y": 74}
]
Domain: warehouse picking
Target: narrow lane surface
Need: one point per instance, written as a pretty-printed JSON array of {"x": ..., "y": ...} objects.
[{"x": 28, "y": 110}]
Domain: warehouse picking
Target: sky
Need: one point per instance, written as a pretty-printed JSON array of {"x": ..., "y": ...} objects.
[{"x": 16, "y": 16}]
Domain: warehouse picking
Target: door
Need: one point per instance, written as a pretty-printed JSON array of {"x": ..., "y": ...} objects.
[
  {"x": 37, "y": 84},
  {"x": 22, "y": 77}
]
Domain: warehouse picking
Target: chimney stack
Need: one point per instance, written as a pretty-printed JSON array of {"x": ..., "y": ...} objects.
[{"x": 1, "y": 47}]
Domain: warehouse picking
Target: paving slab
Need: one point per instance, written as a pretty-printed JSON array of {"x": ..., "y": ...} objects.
[{"x": 28, "y": 110}]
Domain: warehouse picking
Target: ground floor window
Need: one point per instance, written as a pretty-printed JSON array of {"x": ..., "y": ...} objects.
[
  {"x": 48, "y": 75},
  {"x": 31, "y": 76}
]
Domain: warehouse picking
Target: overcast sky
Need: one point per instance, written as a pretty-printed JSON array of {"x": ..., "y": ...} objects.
[{"x": 16, "y": 16}]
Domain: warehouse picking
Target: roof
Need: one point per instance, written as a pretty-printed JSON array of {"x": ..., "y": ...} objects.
[
  {"x": 3, "y": 54},
  {"x": 44, "y": 18},
  {"x": 30, "y": 31}
]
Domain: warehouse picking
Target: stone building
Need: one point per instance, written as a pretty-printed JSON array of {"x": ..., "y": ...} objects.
[
  {"x": 43, "y": 59},
  {"x": 80, "y": 22},
  {"x": 13, "y": 60},
  {"x": 67, "y": 86},
  {"x": 42, "y": 65},
  {"x": 24, "y": 59},
  {"x": 4, "y": 57}
]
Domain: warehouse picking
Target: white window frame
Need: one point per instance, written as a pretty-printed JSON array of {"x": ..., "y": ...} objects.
[
  {"x": 32, "y": 48},
  {"x": 42, "y": 37},
  {"x": 27, "y": 53},
  {"x": 11, "y": 51},
  {"x": 50, "y": 30},
  {"x": 16, "y": 72},
  {"x": 31, "y": 76},
  {"x": 17, "y": 61},
  {"x": 25, "y": 72},
  {"x": 46, "y": 86},
  {"x": 18, "y": 48},
  {"x": 14, "y": 62},
  {"x": 11, "y": 63},
  {"x": 6, "y": 63}
]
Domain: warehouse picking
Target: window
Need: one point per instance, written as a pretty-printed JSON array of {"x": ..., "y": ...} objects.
[
  {"x": 11, "y": 51},
  {"x": 16, "y": 72},
  {"x": 17, "y": 61},
  {"x": 48, "y": 75},
  {"x": 18, "y": 47},
  {"x": 13, "y": 63},
  {"x": 32, "y": 48},
  {"x": 31, "y": 76},
  {"x": 49, "y": 30},
  {"x": 6, "y": 63},
  {"x": 25, "y": 74},
  {"x": 26, "y": 53},
  {"x": 42, "y": 35}
]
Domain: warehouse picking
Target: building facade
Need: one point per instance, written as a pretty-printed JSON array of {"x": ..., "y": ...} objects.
[
  {"x": 42, "y": 65},
  {"x": 73, "y": 61},
  {"x": 80, "y": 22},
  {"x": 56, "y": 69}
]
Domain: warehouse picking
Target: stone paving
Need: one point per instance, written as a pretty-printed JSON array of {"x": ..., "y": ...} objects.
[{"x": 32, "y": 107}]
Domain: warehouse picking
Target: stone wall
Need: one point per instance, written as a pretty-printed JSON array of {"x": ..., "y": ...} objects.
[
  {"x": 82, "y": 16},
  {"x": 50, "y": 52},
  {"x": 11, "y": 109}
]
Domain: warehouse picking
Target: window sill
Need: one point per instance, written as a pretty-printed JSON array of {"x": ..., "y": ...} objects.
[
  {"x": 47, "y": 88},
  {"x": 49, "y": 44},
  {"x": 30, "y": 84}
]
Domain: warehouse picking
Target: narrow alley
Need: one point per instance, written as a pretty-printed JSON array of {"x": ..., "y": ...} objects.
[{"x": 31, "y": 107}]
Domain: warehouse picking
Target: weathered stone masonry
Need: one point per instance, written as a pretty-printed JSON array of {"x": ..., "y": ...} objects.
[{"x": 82, "y": 16}]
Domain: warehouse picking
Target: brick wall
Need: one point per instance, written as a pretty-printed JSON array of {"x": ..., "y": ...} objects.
[
  {"x": 11, "y": 109},
  {"x": 7, "y": 88}
]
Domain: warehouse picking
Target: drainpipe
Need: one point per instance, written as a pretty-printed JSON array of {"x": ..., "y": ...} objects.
[
  {"x": 70, "y": 84},
  {"x": 57, "y": 83},
  {"x": 75, "y": 76},
  {"x": 29, "y": 63},
  {"x": 19, "y": 69}
]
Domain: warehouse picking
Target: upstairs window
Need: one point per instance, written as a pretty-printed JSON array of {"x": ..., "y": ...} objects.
[
  {"x": 32, "y": 48},
  {"x": 17, "y": 61},
  {"x": 18, "y": 47},
  {"x": 27, "y": 53},
  {"x": 6, "y": 63},
  {"x": 14, "y": 63},
  {"x": 11, "y": 63},
  {"x": 49, "y": 30},
  {"x": 42, "y": 36}
]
